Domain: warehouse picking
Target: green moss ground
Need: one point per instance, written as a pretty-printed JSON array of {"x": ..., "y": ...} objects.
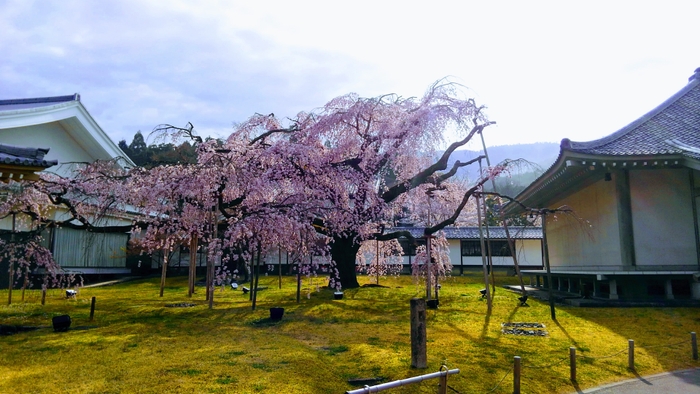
[{"x": 137, "y": 344}]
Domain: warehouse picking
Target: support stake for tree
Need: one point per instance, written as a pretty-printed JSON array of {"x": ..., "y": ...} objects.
[
  {"x": 483, "y": 257},
  {"x": 193, "y": 265},
  {"x": 92, "y": 309},
  {"x": 694, "y": 344},
  {"x": 164, "y": 271},
  {"x": 256, "y": 275},
  {"x": 279, "y": 267},
  {"x": 43, "y": 296},
  {"x": 546, "y": 262},
  {"x": 9, "y": 287}
]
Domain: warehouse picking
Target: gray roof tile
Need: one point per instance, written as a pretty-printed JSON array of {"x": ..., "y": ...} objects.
[
  {"x": 15, "y": 104},
  {"x": 21, "y": 156},
  {"x": 672, "y": 128},
  {"x": 473, "y": 232}
]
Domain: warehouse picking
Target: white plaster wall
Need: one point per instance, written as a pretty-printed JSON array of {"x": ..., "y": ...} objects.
[
  {"x": 590, "y": 236},
  {"x": 662, "y": 217},
  {"x": 62, "y": 146}
]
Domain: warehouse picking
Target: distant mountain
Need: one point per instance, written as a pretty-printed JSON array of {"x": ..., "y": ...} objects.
[{"x": 541, "y": 154}]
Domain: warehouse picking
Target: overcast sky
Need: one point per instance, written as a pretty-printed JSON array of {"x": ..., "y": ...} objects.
[{"x": 545, "y": 70}]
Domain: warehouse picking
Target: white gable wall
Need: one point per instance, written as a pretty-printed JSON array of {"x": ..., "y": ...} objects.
[{"x": 62, "y": 146}]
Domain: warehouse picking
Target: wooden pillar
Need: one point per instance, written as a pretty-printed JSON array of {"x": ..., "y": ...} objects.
[
  {"x": 419, "y": 353},
  {"x": 613, "y": 289},
  {"x": 669, "y": 289},
  {"x": 624, "y": 217},
  {"x": 596, "y": 288}
]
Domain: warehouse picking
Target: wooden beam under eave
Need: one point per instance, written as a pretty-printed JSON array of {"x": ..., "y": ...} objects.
[{"x": 19, "y": 173}]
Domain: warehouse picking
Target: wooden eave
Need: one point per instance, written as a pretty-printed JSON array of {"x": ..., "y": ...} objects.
[
  {"x": 574, "y": 171},
  {"x": 18, "y": 173}
]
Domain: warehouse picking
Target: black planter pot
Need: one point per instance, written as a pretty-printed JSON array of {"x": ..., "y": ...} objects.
[
  {"x": 338, "y": 295},
  {"x": 432, "y": 304},
  {"x": 276, "y": 313}
]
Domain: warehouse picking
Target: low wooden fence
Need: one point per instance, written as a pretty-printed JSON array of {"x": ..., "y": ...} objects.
[{"x": 519, "y": 366}]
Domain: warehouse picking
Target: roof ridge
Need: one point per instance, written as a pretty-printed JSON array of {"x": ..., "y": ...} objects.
[
  {"x": 567, "y": 144},
  {"x": 53, "y": 99}
]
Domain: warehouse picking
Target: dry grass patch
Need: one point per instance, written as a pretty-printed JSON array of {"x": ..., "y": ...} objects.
[{"x": 141, "y": 345}]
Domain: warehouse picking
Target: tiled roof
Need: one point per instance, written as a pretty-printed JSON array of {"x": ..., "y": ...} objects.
[
  {"x": 21, "y": 156},
  {"x": 671, "y": 128},
  {"x": 473, "y": 232},
  {"x": 14, "y": 104},
  {"x": 669, "y": 135}
]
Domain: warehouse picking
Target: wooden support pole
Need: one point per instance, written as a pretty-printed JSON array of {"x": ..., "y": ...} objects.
[
  {"x": 9, "y": 287},
  {"x": 92, "y": 309},
  {"x": 43, "y": 296},
  {"x": 572, "y": 363},
  {"x": 694, "y": 344},
  {"x": 24, "y": 285},
  {"x": 631, "y": 354},
  {"x": 193, "y": 265},
  {"x": 164, "y": 272},
  {"x": 516, "y": 375},
  {"x": 419, "y": 353}
]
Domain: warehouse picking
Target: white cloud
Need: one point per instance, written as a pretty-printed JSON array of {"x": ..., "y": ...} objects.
[{"x": 546, "y": 70}]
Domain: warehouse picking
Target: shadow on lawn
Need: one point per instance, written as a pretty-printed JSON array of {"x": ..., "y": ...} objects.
[{"x": 655, "y": 331}]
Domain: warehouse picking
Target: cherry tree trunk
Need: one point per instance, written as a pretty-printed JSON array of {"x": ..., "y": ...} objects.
[{"x": 344, "y": 252}]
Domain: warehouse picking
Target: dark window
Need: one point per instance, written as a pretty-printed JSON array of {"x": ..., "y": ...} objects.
[
  {"x": 409, "y": 247},
  {"x": 500, "y": 248},
  {"x": 473, "y": 248}
]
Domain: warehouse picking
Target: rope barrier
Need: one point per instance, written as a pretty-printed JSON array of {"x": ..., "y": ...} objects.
[
  {"x": 499, "y": 383},
  {"x": 602, "y": 357},
  {"x": 668, "y": 345},
  {"x": 546, "y": 366}
]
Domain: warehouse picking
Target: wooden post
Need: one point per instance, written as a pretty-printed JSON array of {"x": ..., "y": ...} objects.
[
  {"x": 164, "y": 272},
  {"x": 24, "y": 286},
  {"x": 9, "y": 287},
  {"x": 484, "y": 263},
  {"x": 572, "y": 363},
  {"x": 279, "y": 267},
  {"x": 694, "y": 344},
  {"x": 631, "y": 354},
  {"x": 256, "y": 276},
  {"x": 516, "y": 375},
  {"x": 43, "y": 296},
  {"x": 377, "y": 267},
  {"x": 442, "y": 388},
  {"x": 92, "y": 309},
  {"x": 193, "y": 265},
  {"x": 549, "y": 269},
  {"x": 428, "y": 269},
  {"x": 419, "y": 354}
]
